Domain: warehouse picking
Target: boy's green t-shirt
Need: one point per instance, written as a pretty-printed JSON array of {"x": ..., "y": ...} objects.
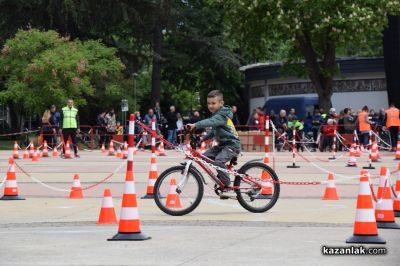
[{"x": 223, "y": 128}]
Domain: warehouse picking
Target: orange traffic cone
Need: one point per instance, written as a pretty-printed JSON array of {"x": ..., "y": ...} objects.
[
  {"x": 330, "y": 190},
  {"x": 365, "y": 229},
  {"x": 103, "y": 148},
  {"x": 111, "y": 151},
  {"x": 203, "y": 147},
  {"x": 384, "y": 213},
  {"x": 161, "y": 150},
  {"x": 396, "y": 201},
  {"x": 266, "y": 184},
  {"x": 129, "y": 222},
  {"x": 10, "y": 185},
  {"x": 76, "y": 189},
  {"x": 35, "y": 156},
  {"x": 125, "y": 152},
  {"x": 119, "y": 152},
  {"x": 15, "y": 151},
  {"x": 358, "y": 150},
  {"x": 55, "y": 152},
  {"x": 173, "y": 200},
  {"x": 26, "y": 154},
  {"x": 397, "y": 151},
  {"x": 107, "y": 212},
  {"x": 352, "y": 162},
  {"x": 45, "y": 149},
  {"x": 67, "y": 151},
  {"x": 153, "y": 175},
  {"x": 31, "y": 149},
  {"x": 374, "y": 152}
]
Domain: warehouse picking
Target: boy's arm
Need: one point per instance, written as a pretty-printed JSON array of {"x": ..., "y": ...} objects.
[{"x": 217, "y": 120}]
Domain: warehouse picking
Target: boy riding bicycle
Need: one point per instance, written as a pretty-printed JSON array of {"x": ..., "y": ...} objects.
[{"x": 223, "y": 131}]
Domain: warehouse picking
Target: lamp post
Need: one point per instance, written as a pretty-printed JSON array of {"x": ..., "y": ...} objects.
[{"x": 134, "y": 75}]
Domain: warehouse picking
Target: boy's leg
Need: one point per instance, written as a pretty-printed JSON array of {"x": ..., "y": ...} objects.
[
  {"x": 212, "y": 152},
  {"x": 224, "y": 156}
]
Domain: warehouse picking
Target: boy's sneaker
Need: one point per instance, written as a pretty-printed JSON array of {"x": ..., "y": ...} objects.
[{"x": 225, "y": 179}]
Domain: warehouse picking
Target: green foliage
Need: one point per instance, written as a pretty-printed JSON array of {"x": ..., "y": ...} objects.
[
  {"x": 41, "y": 68},
  {"x": 352, "y": 25}
]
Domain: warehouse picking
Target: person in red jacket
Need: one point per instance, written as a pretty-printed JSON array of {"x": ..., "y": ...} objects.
[
  {"x": 328, "y": 132},
  {"x": 261, "y": 118}
]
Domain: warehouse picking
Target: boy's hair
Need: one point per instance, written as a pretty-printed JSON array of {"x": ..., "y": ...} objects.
[{"x": 215, "y": 93}]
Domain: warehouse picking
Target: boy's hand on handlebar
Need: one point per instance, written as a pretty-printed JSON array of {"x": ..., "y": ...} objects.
[{"x": 190, "y": 126}]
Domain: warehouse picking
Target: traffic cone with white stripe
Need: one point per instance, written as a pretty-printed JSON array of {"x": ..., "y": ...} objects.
[
  {"x": 35, "y": 156},
  {"x": 10, "y": 184},
  {"x": 26, "y": 154},
  {"x": 358, "y": 150},
  {"x": 119, "y": 152},
  {"x": 374, "y": 152},
  {"x": 203, "y": 147},
  {"x": 15, "y": 151},
  {"x": 266, "y": 184},
  {"x": 125, "y": 152},
  {"x": 396, "y": 201},
  {"x": 76, "y": 189},
  {"x": 397, "y": 151},
  {"x": 173, "y": 200},
  {"x": 352, "y": 162},
  {"x": 330, "y": 190},
  {"x": 161, "y": 150},
  {"x": 67, "y": 151},
  {"x": 153, "y": 175},
  {"x": 31, "y": 149},
  {"x": 107, "y": 212},
  {"x": 55, "y": 151},
  {"x": 103, "y": 148},
  {"x": 129, "y": 221},
  {"x": 111, "y": 151},
  {"x": 365, "y": 229},
  {"x": 45, "y": 149},
  {"x": 384, "y": 213}
]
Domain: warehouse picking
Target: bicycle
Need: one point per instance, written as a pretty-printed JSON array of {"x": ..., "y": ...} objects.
[{"x": 180, "y": 189}]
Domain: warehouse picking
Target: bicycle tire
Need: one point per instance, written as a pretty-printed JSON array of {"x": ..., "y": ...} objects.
[
  {"x": 160, "y": 179},
  {"x": 276, "y": 186}
]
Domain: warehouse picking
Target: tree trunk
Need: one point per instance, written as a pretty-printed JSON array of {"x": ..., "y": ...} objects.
[
  {"x": 156, "y": 74},
  {"x": 323, "y": 83}
]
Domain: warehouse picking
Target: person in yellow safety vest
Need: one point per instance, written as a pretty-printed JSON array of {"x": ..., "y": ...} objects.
[
  {"x": 364, "y": 125},
  {"x": 392, "y": 123},
  {"x": 70, "y": 125}
]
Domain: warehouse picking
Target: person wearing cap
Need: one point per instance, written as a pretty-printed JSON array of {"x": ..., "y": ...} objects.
[{"x": 70, "y": 125}]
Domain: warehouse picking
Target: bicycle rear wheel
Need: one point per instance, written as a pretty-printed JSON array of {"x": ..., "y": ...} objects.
[
  {"x": 253, "y": 197},
  {"x": 177, "y": 195}
]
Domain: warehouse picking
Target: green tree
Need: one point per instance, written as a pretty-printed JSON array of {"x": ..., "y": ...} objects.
[
  {"x": 312, "y": 31},
  {"x": 41, "y": 68}
]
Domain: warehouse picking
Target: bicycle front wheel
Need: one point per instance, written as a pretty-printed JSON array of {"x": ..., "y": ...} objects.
[
  {"x": 177, "y": 193},
  {"x": 252, "y": 196}
]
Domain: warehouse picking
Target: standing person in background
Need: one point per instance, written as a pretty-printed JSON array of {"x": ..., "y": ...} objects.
[
  {"x": 292, "y": 112},
  {"x": 194, "y": 119},
  {"x": 392, "y": 122},
  {"x": 171, "y": 125},
  {"x": 111, "y": 125},
  {"x": 235, "y": 118},
  {"x": 101, "y": 127},
  {"x": 261, "y": 118},
  {"x": 161, "y": 121},
  {"x": 317, "y": 122},
  {"x": 179, "y": 126},
  {"x": 148, "y": 117},
  {"x": 348, "y": 121},
  {"x": 55, "y": 121},
  {"x": 364, "y": 125},
  {"x": 119, "y": 130},
  {"x": 47, "y": 130},
  {"x": 70, "y": 125}
]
